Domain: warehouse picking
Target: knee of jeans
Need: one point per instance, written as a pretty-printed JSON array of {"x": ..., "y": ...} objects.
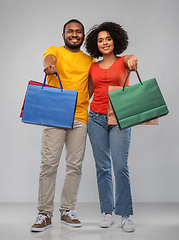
[
  {"x": 121, "y": 170},
  {"x": 103, "y": 171}
]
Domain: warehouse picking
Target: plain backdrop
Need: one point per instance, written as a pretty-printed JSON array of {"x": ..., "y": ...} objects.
[{"x": 27, "y": 29}]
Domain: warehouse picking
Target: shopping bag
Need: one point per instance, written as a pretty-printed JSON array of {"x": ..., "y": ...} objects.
[
  {"x": 31, "y": 82},
  {"x": 50, "y": 106},
  {"x": 112, "y": 117},
  {"x": 138, "y": 103}
]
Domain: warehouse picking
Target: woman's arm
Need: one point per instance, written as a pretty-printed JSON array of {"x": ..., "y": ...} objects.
[
  {"x": 130, "y": 62},
  {"x": 90, "y": 87}
]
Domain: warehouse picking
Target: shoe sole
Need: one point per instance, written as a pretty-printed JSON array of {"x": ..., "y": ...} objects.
[
  {"x": 71, "y": 224},
  {"x": 128, "y": 230},
  {"x": 106, "y": 226},
  {"x": 40, "y": 229}
]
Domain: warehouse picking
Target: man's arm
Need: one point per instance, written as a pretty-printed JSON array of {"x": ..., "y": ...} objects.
[
  {"x": 49, "y": 64},
  {"x": 90, "y": 87},
  {"x": 130, "y": 62}
]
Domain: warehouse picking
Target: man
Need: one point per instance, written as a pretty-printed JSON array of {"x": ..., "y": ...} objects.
[{"x": 73, "y": 68}]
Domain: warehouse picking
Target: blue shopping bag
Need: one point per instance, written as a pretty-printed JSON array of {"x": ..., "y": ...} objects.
[{"x": 50, "y": 106}]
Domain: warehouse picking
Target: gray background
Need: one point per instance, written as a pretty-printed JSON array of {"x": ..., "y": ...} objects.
[{"x": 29, "y": 27}]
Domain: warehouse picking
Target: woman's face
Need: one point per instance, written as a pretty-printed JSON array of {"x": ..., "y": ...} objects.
[{"x": 105, "y": 43}]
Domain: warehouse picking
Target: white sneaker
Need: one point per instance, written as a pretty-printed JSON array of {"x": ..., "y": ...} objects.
[
  {"x": 127, "y": 224},
  {"x": 107, "y": 221}
]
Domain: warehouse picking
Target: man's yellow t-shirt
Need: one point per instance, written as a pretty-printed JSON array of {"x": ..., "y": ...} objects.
[{"x": 73, "y": 69}]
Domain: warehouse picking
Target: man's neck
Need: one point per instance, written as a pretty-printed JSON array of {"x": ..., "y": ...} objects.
[{"x": 71, "y": 49}]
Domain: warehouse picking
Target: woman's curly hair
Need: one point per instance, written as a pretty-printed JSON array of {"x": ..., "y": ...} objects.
[{"x": 117, "y": 33}]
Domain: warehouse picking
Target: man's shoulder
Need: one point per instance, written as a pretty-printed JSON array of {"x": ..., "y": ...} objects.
[
  {"x": 89, "y": 58},
  {"x": 53, "y": 50},
  {"x": 55, "y": 47}
]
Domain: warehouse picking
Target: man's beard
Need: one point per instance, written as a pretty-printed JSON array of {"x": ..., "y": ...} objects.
[{"x": 73, "y": 46}]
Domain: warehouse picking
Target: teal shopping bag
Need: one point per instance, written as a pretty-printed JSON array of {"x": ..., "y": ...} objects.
[
  {"x": 49, "y": 106},
  {"x": 138, "y": 103}
]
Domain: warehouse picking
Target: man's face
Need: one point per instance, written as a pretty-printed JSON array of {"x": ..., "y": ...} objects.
[{"x": 73, "y": 36}]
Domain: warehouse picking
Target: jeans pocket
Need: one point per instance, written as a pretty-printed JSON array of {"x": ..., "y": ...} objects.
[{"x": 92, "y": 115}]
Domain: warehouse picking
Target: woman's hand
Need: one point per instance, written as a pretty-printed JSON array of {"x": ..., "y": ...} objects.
[{"x": 131, "y": 62}]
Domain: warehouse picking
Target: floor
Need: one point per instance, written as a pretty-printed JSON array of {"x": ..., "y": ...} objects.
[{"x": 153, "y": 221}]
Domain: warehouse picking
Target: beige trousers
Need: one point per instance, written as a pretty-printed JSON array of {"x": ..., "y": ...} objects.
[{"x": 53, "y": 140}]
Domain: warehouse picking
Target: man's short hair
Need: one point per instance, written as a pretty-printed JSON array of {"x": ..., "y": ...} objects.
[{"x": 73, "y": 20}]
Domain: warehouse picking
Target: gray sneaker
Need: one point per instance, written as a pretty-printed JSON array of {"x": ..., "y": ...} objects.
[
  {"x": 127, "y": 225},
  {"x": 107, "y": 221}
]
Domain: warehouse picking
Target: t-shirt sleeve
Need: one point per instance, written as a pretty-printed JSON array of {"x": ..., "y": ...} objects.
[
  {"x": 126, "y": 70},
  {"x": 91, "y": 68},
  {"x": 122, "y": 58},
  {"x": 51, "y": 50},
  {"x": 90, "y": 71},
  {"x": 93, "y": 61}
]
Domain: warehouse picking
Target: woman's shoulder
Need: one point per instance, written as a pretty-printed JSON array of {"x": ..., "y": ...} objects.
[
  {"x": 94, "y": 68},
  {"x": 94, "y": 65},
  {"x": 121, "y": 58},
  {"x": 119, "y": 62}
]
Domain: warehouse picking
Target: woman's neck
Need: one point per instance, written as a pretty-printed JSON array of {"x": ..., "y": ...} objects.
[{"x": 107, "y": 61}]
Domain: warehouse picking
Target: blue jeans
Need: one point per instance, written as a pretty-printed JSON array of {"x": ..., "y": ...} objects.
[{"x": 109, "y": 142}]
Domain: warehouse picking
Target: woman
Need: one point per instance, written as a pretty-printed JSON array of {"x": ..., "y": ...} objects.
[{"x": 108, "y": 40}]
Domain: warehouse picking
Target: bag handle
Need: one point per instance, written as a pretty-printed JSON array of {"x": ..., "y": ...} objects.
[
  {"x": 58, "y": 79},
  {"x": 128, "y": 76}
]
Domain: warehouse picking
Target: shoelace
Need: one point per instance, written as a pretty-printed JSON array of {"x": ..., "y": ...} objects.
[
  {"x": 127, "y": 221},
  {"x": 71, "y": 214},
  {"x": 40, "y": 219},
  {"x": 106, "y": 217}
]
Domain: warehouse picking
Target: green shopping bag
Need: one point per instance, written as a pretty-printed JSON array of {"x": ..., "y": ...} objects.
[{"x": 138, "y": 103}]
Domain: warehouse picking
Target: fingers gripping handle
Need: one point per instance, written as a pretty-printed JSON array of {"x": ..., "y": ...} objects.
[
  {"x": 128, "y": 76},
  {"x": 58, "y": 79}
]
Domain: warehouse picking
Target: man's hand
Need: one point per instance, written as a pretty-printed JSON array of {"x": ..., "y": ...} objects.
[
  {"x": 131, "y": 62},
  {"x": 49, "y": 64},
  {"x": 50, "y": 70}
]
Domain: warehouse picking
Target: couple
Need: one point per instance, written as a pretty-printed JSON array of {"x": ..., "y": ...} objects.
[{"x": 80, "y": 72}]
